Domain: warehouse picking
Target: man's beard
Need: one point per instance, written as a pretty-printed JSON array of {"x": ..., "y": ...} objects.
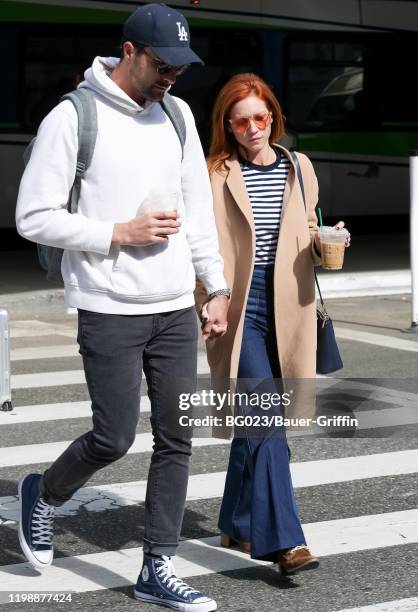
[{"x": 152, "y": 93}]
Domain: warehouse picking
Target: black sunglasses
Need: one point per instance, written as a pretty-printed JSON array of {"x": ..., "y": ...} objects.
[{"x": 163, "y": 68}]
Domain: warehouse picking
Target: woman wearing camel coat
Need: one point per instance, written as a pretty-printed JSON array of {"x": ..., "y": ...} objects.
[
  {"x": 294, "y": 290},
  {"x": 270, "y": 244}
]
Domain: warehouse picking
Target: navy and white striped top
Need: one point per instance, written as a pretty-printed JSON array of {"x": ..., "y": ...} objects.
[{"x": 265, "y": 187}]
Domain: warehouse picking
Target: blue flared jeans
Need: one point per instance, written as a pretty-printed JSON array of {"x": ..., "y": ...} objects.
[{"x": 258, "y": 504}]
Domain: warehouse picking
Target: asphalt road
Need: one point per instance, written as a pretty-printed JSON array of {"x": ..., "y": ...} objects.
[{"x": 357, "y": 494}]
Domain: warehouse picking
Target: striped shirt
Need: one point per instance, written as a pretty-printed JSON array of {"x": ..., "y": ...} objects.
[{"x": 265, "y": 188}]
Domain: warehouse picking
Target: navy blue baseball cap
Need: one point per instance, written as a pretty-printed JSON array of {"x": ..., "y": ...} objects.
[{"x": 164, "y": 30}]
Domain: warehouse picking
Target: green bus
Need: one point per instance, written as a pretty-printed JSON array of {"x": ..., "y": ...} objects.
[{"x": 341, "y": 70}]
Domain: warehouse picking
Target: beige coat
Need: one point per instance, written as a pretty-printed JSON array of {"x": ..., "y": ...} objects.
[{"x": 294, "y": 290}]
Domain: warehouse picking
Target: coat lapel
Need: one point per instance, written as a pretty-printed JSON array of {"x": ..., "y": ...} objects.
[
  {"x": 288, "y": 189},
  {"x": 236, "y": 186}
]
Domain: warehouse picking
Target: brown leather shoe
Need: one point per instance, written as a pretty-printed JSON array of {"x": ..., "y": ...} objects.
[
  {"x": 229, "y": 542},
  {"x": 295, "y": 559}
]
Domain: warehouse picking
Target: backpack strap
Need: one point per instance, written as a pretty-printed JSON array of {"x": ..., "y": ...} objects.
[
  {"x": 173, "y": 112},
  {"x": 85, "y": 105},
  {"x": 302, "y": 188}
]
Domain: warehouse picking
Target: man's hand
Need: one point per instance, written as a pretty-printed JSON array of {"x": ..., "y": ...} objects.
[
  {"x": 213, "y": 316},
  {"x": 146, "y": 229}
]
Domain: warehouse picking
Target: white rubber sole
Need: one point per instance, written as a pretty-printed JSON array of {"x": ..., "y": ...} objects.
[
  {"x": 23, "y": 545},
  {"x": 176, "y": 605}
]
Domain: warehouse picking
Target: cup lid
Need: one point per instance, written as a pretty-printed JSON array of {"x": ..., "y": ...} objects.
[{"x": 328, "y": 229}]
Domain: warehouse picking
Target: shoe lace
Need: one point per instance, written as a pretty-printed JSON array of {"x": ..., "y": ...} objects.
[
  {"x": 300, "y": 547},
  {"x": 42, "y": 523},
  {"x": 165, "y": 572}
]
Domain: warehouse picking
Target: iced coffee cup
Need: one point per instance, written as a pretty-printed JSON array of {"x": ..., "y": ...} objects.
[
  {"x": 332, "y": 247},
  {"x": 160, "y": 199}
]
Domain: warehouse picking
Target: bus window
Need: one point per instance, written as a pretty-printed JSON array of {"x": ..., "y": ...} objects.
[
  {"x": 399, "y": 108},
  {"x": 325, "y": 85},
  {"x": 9, "y": 121}
]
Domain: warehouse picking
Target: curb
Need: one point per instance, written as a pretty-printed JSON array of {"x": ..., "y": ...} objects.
[
  {"x": 363, "y": 284},
  {"x": 333, "y": 285},
  {"x": 30, "y": 299}
]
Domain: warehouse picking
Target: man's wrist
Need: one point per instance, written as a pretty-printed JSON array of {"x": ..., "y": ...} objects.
[
  {"x": 223, "y": 292},
  {"x": 119, "y": 235}
]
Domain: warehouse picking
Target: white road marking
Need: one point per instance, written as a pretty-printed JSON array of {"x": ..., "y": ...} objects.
[
  {"x": 45, "y": 352},
  {"x": 72, "y": 377},
  {"x": 210, "y": 485},
  {"x": 343, "y": 333},
  {"x": 55, "y": 412},
  {"x": 47, "y": 379},
  {"x": 33, "y": 328},
  {"x": 354, "y": 284},
  {"x": 405, "y": 413},
  {"x": 40, "y": 453},
  {"x": 111, "y": 569},
  {"x": 400, "y": 605},
  {"x": 71, "y": 350},
  {"x": 367, "y": 419}
]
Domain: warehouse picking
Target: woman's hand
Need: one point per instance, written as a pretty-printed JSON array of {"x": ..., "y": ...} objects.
[
  {"x": 340, "y": 225},
  {"x": 214, "y": 317}
]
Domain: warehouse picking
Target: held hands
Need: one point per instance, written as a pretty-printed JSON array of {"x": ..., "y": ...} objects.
[
  {"x": 149, "y": 228},
  {"x": 214, "y": 317}
]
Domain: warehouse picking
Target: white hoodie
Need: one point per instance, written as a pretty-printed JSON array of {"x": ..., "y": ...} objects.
[{"x": 137, "y": 150}]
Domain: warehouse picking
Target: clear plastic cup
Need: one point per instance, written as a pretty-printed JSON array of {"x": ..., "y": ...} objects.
[
  {"x": 332, "y": 246},
  {"x": 160, "y": 199}
]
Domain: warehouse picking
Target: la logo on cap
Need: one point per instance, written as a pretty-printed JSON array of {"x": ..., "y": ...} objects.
[{"x": 182, "y": 31}]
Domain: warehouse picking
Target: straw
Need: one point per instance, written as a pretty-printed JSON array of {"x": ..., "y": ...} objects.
[{"x": 320, "y": 217}]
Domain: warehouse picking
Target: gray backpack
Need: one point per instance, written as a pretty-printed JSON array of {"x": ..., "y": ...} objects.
[{"x": 83, "y": 100}]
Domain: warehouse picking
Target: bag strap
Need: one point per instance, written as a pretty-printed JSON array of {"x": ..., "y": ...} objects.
[
  {"x": 302, "y": 188},
  {"x": 85, "y": 105},
  {"x": 173, "y": 112}
]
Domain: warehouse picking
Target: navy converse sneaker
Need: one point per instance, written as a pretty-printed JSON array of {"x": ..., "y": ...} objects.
[
  {"x": 36, "y": 522},
  {"x": 158, "y": 584}
]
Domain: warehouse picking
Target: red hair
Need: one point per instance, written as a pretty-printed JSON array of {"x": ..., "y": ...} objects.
[{"x": 240, "y": 86}]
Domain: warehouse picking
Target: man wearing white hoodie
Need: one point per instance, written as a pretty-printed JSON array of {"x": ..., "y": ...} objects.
[{"x": 131, "y": 274}]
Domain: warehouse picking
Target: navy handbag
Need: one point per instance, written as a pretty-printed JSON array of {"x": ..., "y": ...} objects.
[{"x": 328, "y": 358}]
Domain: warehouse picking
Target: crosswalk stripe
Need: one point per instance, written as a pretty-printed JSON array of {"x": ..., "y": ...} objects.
[
  {"x": 99, "y": 571},
  {"x": 47, "y": 379},
  {"x": 46, "y": 412},
  {"x": 40, "y": 453},
  {"x": 344, "y": 333},
  {"x": 70, "y": 377},
  {"x": 405, "y": 413},
  {"x": 367, "y": 419},
  {"x": 33, "y": 328},
  {"x": 44, "y": 352},
  {"x": 400, "y": 605},
  {"x": 21, "y": 329},
  {"x": 55, "y": 351},
  {"x": 55, "y": 412},
  {"x": 210, "y": 485},
  {"x": 111, "y": 569},
  {"x": 367, "y": 390},
  {"x": 344, "y": 469}
]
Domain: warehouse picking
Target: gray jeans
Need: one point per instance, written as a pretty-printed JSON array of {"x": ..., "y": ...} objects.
[{"x": 115, "y": 349}]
